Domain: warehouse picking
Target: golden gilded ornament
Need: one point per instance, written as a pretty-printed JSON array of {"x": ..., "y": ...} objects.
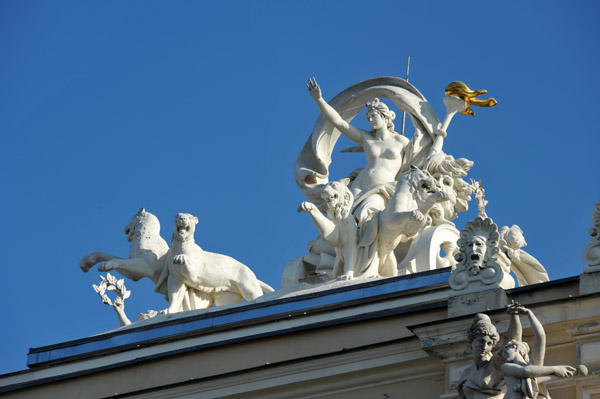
[{"x": 462, "y": 91}]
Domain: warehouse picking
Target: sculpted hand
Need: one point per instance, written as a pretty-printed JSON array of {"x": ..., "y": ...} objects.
[
  {"x": 564, "y": 371},
  {"x": 515, "y": 308},
  {"x": 314, "y": 89},
  {"x": 119, "y": 304},
  {"x": 306, "y": 207},
  {"x": 433, "y": 161}
]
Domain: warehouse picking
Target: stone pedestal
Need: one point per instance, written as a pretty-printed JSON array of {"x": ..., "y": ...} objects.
[
  {"x": 460, "y": 304},
  {"x": 589, "y": 281}
]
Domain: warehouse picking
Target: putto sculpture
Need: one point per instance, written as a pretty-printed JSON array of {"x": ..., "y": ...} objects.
[
  {"x": 339, "y": 228},
  {"x": 514, "y": 371},
  {"x": 526, "y": 268}
]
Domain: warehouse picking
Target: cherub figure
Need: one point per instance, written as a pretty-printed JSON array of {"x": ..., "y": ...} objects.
[
  {"x": 339, "y": 228},
  {"x": 523, "y": 369},
  {"x": 513, "y": 372},
  {"x": 526, "y": 268}
]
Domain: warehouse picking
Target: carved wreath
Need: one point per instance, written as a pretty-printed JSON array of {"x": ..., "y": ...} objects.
[{"x": 110, "y": 283}]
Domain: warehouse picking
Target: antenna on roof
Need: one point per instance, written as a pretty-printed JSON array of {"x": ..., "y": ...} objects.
[{"x": 404, "y": 112}]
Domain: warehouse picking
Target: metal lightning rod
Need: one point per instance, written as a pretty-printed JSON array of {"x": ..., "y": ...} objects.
[{"x": 404, "y": 112}]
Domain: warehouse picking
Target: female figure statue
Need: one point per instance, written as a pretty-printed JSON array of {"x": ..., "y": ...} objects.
[
  {"x": 383, "y": 147},
  {"x": 510, "y": 366},
  {"x": 483, "y": 379}
]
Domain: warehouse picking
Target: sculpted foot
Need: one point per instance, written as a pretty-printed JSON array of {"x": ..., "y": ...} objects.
[
  {"x": 180, "y": 259},
  {"x": 417, "y": 216},
  {"x": 108, "y": 265},
  {"x": 440, "y": 196},
  {"x": 306, "y": 207},
  {"x": 346, "y": 276},
  {"x": 87, "y": 262}
]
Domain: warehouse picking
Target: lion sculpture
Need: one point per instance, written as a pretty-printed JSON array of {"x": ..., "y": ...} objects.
[
  {"x": 339, "y": 228},
  {"x": 146, "y": 253},
  {"x": 404, "y": 216},
  {"x": 216, "y": 278}
]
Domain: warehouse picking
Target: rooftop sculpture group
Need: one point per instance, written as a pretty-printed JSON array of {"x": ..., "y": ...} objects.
[
  {"x": 391, "y": 217},
  {"x": 187, "y": 276},
  {"x": 402, "y": 202}
]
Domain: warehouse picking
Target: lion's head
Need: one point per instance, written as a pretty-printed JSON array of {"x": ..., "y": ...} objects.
[
  {"x": 420, "y": 182},
  {"x": 185, "y": 226},
  {"x": 339, "y": 200},
  {"x": 449, "y": 173},
  {"x": 142, "y": 223}
]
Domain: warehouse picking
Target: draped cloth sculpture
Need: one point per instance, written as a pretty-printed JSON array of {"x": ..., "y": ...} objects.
[{"x": 312, "y": 165}]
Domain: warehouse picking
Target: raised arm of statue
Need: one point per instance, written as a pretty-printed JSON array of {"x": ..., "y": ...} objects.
[
  {"x": 326, "y": 227},
  {"x": 538, "y": 350},
  {"x": 515, "y": 330},
  {"x": 332, "y": 115}
]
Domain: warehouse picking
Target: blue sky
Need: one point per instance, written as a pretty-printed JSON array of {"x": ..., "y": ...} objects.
[{"x": 198, "y": 107}]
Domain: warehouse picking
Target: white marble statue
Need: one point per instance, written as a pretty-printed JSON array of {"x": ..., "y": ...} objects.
[
  {"x": 198, "y": 281},
  {"x": 449, "y": 173},
  {"x": 526, "y": 268},
  {"x": 214, "y": 278},
  {"x": 479, "y": 197},
  {"x": 389, "y": 156},
  {"x": 403, "y": 217},
  {"x": 339, "y": 228},
  {"x": 146, "y": 253},
  {"x": 385, "y": 151},
  {"x": 513, "y": 372},
  {"x": 591, "y": 253},
  {"x": 523, "y": 369},
  {"x": 483, "y": 379}
]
